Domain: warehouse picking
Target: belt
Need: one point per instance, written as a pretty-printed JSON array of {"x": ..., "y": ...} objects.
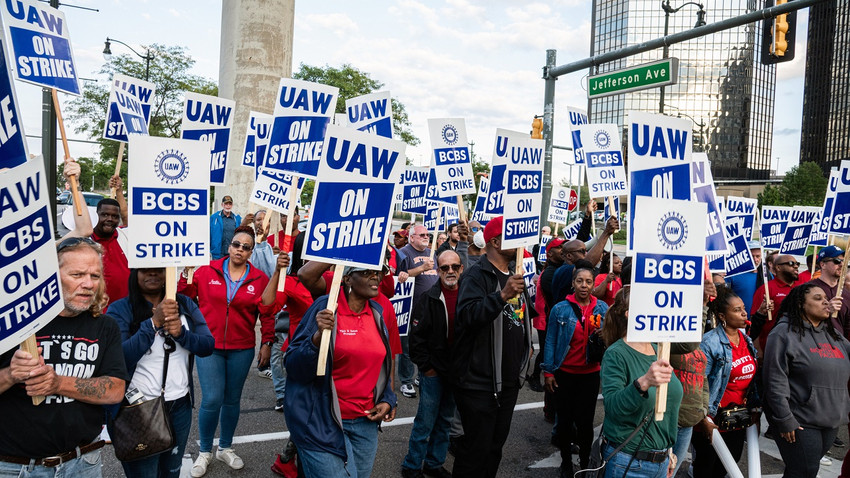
[
  {"x": 650, "y": 456},
  {"x": 55, "y": 460}
]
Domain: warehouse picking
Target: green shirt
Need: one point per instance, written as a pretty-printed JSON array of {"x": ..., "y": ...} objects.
[{"x": 625, "y": 407}]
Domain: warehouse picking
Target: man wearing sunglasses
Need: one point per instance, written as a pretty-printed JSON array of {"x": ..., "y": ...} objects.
[
  {"x": 787, "y": 276},
  {"x": 830, "y": 259}
]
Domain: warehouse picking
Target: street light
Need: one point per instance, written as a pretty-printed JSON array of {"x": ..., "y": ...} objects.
[
  {"x": 148, "y": 56},
  {"x": 701, "y": 125},
  {"x": 665, "y": 5}
]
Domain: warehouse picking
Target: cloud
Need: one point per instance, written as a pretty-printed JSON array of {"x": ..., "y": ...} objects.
[
  {"x": 339, "y": 24},
  {"x": 174, "y": 12}
]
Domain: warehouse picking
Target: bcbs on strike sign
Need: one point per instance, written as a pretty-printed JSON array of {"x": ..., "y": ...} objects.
[{"x": 667, "y": 273}]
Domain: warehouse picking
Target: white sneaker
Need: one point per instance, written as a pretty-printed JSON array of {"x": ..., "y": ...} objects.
[
  {"x": 199, "y": 468},
  {"x": 267, "y": 373},
  {"x": 230, "y": 457},
  {"x": 825, "y": 461},
  {"x": 408, "y": 391}
]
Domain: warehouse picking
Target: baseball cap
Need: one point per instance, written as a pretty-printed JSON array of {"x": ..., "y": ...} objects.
[
  {"x": 829, "y": 252},
  {"x": 493, "y": 228},
  {"x": 226, "y": 199},
  {"x": 553, "y": 243},
  {"x": 401, "y": 232}
]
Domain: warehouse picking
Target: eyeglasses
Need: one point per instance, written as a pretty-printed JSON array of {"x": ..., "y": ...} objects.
[
  {"x": 474, "y": 229},
  {"x": 789, "y": 263},
  {"x": 580, "y": 251},
  {"x": 834, "y": 261},
  {"x": 421, "y": 235},
  {"x": 73, "y": 241},
  {"x": 368, "y": 273},
  {"x": 454, "y": 267},
  {"x": 239, "y": 245}
]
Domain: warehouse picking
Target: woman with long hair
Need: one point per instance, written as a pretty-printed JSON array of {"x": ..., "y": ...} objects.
[
  {"x": 149, "y": 323},
  {"x": 607, "y": 284},
  {"x": 806, "y": 369}
]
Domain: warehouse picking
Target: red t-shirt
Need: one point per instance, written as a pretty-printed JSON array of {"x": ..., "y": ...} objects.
[
  {"x": 280, "y": 238},
  {"x": 778, "y": 291},
  {"x": 357, "y": 357},
  {"x": 576, "y": 359},
  {"x": 611, "y": 290},
  {"x": 116, "y": 274},
  {"x": 743, "y": 370},
  {"x": 451, "y": 304},
  {"x": 296, "y": 298}
]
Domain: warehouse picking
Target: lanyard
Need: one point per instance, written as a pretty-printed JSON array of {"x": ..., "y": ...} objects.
[{"x": 232, "y": 286}]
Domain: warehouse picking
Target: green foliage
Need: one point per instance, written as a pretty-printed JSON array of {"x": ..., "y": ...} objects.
[
  {"x": 91, "y": 169},
  {"x": 803, "y": 185}
]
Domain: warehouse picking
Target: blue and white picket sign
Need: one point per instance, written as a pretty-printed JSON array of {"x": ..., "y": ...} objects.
[
  {"x": 746, "y": 209},
  {"x": 40, "y": 45},
  {"x": 606, "y": 211},
  {"x": 452, "y": 160},
  {"x": 667, "y": 271},
  {"x": 738, "y": 257},
  {"x": 529, "y": 273},
  {"x": 262, "y": 136},
  {"x": 577, "y": 117},
  {"x": 353, "y": 198},
  {"x": 702, "y": 182},
  {"x": 659, "y": 161},
  {"x": 258, "y": 124},
  {"x": 168, "y": 202},
  {"x": 523, "y": 191},
  {"x": 541, "y": 252},
  {"x": 774, "y": 221},
  {"x": 571, "y": 230},
  {"x": 721, "y": 205},
  {"x": 716, "y": 261},
  {"x": 13, "y": 146},
  {"x": 271, "y": 190},
  {"x": 122, "y": 114},
  {"x": 841, "y": 206},
  {"x": 402, "y": 303},
  {"x": 415, "y": 184},
  {"x": 495, "y": 204},
  {"x": 32, "y": 291},
  {"x": 603, "y": 158},
  {"x": 800, "y": 224},
  {"x": 820, "y": 233},
  {"x": 302, "y": 112},
  {"x": 372, "y": 113},
  {"x": 559, "y": 205},
  {"x": 209, "y": 118},
  {"x": 447, "y": 214},
  {"x": 478, "y": 213},
  {"x": 432, "y": 190}
]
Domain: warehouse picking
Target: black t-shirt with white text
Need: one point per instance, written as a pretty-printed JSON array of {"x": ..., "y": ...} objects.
[
  {"x": 514, "y": 315},
  {"x": 82, "y": 346}
]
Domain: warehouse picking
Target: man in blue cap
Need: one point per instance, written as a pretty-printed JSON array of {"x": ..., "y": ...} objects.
[{"x": 829, "y": 260}]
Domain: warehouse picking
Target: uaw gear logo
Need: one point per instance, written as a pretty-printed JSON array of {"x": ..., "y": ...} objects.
[
  {"x": 672, "y": 230},
  {"x": 562, "y": 194},
  {"x": 449, "y": 134},
  {"x": 251, "y": 288},
  {"x": 601, "y": 139},
  {"x": 171, "y": 166}
]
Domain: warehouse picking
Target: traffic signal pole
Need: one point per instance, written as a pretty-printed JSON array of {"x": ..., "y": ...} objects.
[{"x": 551, "y": 72}]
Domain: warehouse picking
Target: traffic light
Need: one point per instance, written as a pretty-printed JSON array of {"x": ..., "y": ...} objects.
[
  {"x": 778, "y": 36},
  {"x": 537, "y": 128}
]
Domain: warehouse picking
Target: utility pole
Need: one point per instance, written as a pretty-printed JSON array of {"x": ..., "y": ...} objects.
[{"x": 48, "y": 143}]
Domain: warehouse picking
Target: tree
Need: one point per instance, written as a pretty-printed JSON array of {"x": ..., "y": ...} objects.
[{"x": 803, "y": 185}]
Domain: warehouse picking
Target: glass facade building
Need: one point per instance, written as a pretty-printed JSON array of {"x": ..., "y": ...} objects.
[
  {"x": 825, "y": 137},
  {"x": 722, "y": 85}
]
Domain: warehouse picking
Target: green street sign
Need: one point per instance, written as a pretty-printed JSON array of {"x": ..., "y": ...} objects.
[{"x": 640, "y": 77}]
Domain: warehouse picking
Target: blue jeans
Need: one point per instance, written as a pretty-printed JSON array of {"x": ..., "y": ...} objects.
[
  {"x": 429, "y": 438},
  {"x": 278, "y": 371},
  {"x": 361, "y": 444},
  {"x": 222, "y": 376},
  {"x": 406, "y": 369},
  {"x": 168, "y": 463},
  {"x": 86, "y": 466},
  {"x": 680, "y": 448},
  {"x": 616, "y": 467}
]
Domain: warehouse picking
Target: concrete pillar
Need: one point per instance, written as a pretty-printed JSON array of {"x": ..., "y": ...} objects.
[{"x": 256, "y": 51}]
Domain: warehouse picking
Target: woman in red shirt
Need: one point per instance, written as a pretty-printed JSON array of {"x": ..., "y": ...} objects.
[{"x": 607, "y": 284}]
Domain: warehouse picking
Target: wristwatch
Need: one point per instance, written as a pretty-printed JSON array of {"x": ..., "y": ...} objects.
[
  {"x": 269, "y": 343},
  {"x": 642, "y": 392}
]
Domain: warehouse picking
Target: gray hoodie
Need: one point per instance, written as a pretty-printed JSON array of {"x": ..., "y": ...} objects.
[{"x": 805, "y": 378}]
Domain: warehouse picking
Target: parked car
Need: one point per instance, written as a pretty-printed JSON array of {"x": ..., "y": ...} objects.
[{"x": 65, "y": 210}]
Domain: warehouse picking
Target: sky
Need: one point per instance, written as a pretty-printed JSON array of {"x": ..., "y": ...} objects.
[{"x": 475, "y": 59}]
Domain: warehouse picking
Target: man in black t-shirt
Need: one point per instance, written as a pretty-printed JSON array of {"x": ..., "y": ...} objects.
[{"x": 80, "y": 368}]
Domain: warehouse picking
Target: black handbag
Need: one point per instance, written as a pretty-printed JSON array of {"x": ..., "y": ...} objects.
[
  {"x": 144, "y": 429},
  {"x": 732, "y": 417},
  {"x": 595, "y": 347}
]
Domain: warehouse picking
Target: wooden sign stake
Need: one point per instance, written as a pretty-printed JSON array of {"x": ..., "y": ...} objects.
[
  {"x": 118, "y": 161},
  {"x": 31, "y": 346},
  {"x": 661, "y": 391},
  {"x": 324, "y": 345},
  {"x": 78, "y": 198}
]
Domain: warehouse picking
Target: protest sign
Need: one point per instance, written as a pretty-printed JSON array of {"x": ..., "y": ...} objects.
[
  {"x": 703, "y": 191},
  {"x": 272, "y": 191},
  {"x": 28, "y": 264},
  {"x": 438, "y": 217},
  {"x": 302, "y": 112},
  {"x": 606, "y": 210},
  {"x": 606, "y": 173},
  {"x": 478, "y": 213},
  {"x": 529, "y": 272},
  {"x": 372, "y": 113},
  {"x": 358, "y": 172},
  {"x": 716, "y": 261},
  {"x": 841, "y": 205},
  {"x": 432, "y": 191},
  {"x": 209, "y": 118},
  {"x": 820, "y": 233},
  {"x": 800, "y": 224},
  {"x": 452, "y": 161},
  {"x": 667, "y": 271},
  {"x": 495, "y": 204},
  {"x": 746, "y": 209},
  {"x": 402, "y": 303},
  {"x": 13, "y": 147},
  {"x": 577, "y": 117},
  {"x": 123, "y": 114},
  {"x": 659, "y": 161},
  {"x": 774, "y": 220},
  {"x": 738, "y": 258},
  {"x": 523, "y": 190},
  {"x": 541, "y": 254},
  {"x": 413, "y": 195},
  {"x": 168, "y": 202},
  {"x": 259, "y": 124},
  {"x": 40, "y": 45},
  {"x": 559, "y": 204},
  {"x": 571, "y": 230}
]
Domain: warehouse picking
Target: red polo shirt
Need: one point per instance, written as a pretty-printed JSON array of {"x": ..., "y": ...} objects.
[{"x": 116, "y": 274}]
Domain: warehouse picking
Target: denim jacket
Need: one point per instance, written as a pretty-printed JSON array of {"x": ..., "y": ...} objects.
[
  {"x": 559, "y": 332},
  {"x": 718, "y": 352}
]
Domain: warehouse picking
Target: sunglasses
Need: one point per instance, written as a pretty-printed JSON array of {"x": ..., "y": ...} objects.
[
  {"x": 834, "y": 261},
  {"x": 420, "y": 235},
  {"x": 73, "y": 241},
  {"x": 239, "y": 245},
  {"x": 453, "y": 267},
  {"x": 789, "y": 263},
  {"x": 474, "y": 229}
]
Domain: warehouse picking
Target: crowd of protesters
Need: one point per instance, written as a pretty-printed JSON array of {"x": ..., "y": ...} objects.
[{"x": 469, "y": 351}]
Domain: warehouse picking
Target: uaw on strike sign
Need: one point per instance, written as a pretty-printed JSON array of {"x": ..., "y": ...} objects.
[{"x": 666, "y": 304}]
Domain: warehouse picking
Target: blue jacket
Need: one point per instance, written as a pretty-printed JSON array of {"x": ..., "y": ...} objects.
[
  {"x": 560, "y": 327},
  {"x": 216, "y": 231},
  {"x": 718, "y": 352},
  {"x": 311, "y": 406}
]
